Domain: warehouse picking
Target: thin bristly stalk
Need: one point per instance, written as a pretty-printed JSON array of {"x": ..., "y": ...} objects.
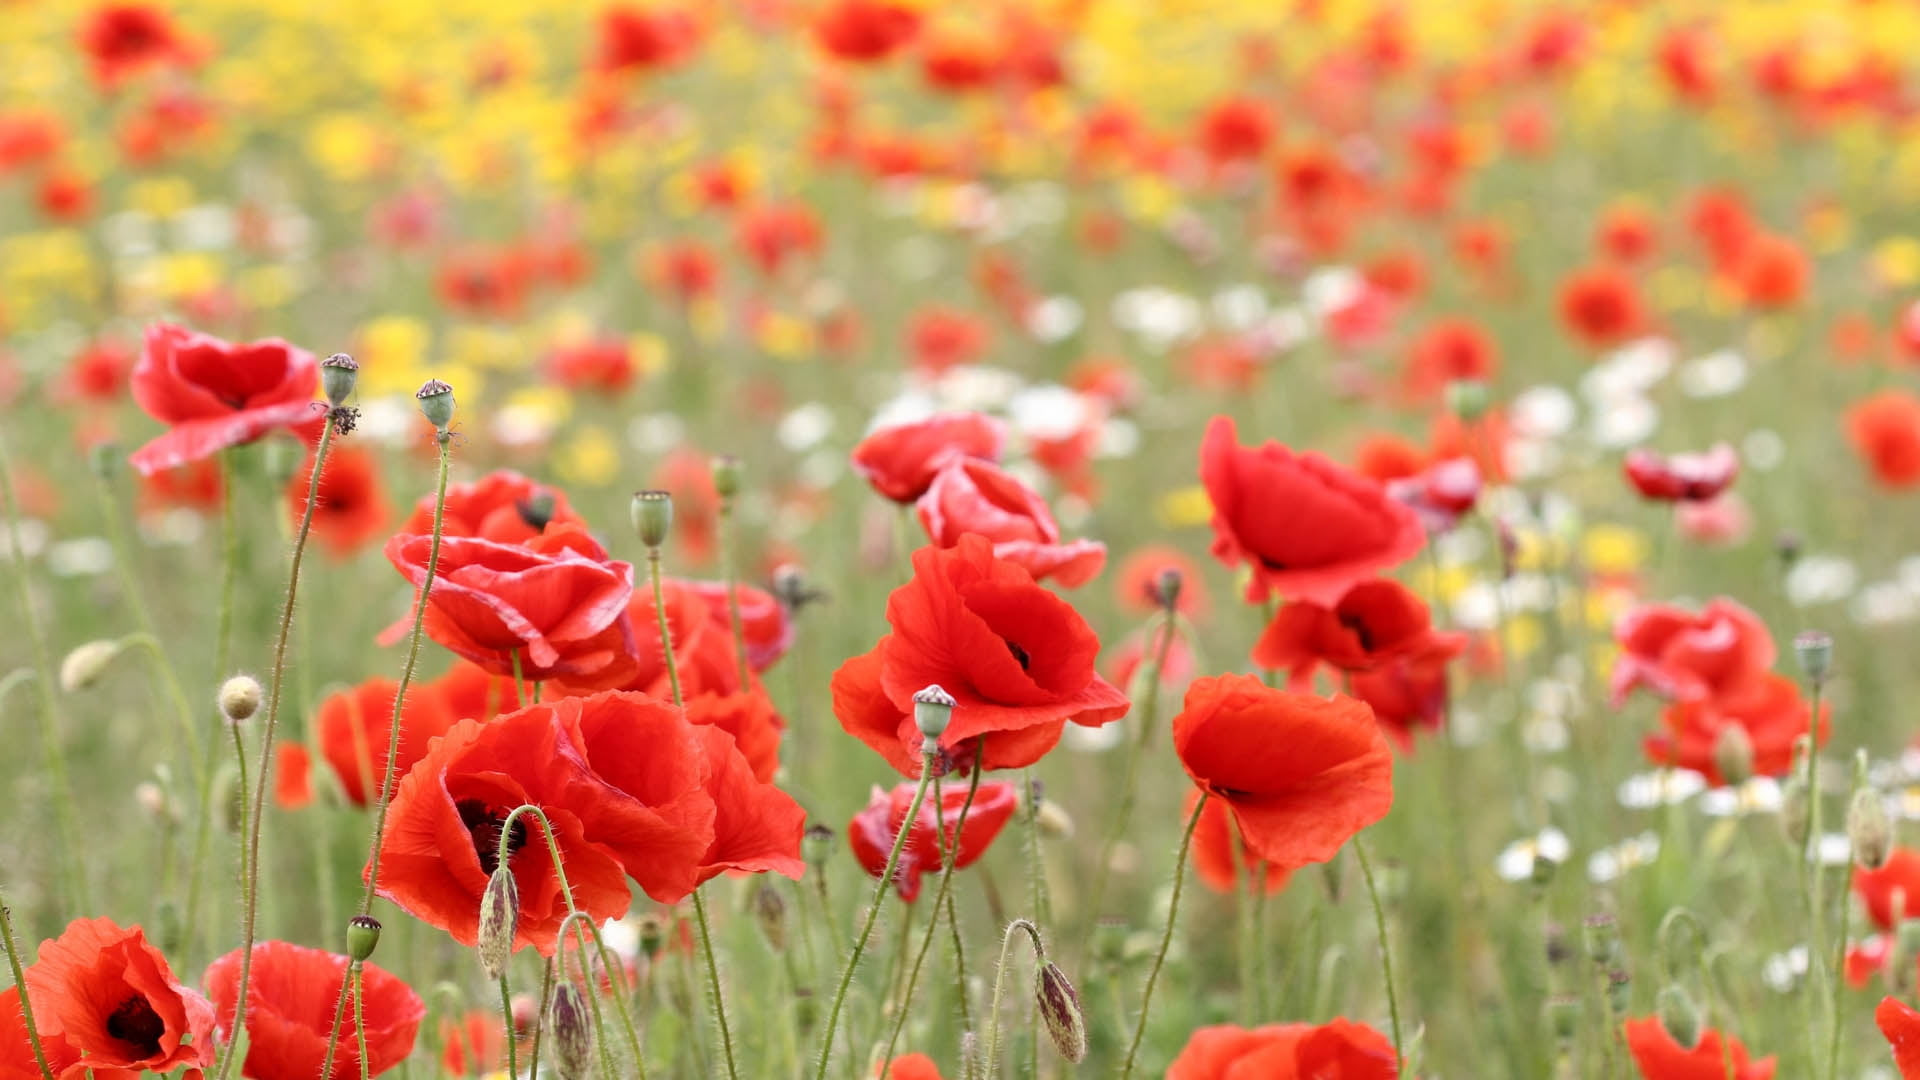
[
  {"x": 1242, "y": 922},
  {"x": 222, "y": 656},
  {"x": 666, "y": 632},
  {"x": 274, "y": 689},
  {"x": 540, "y": 1024},
  {"x": 20, "y": 981},
  {"x": 506, "y": 1019},
  {"x": 1166, "y": 938},
  {"x": 999, "y": 986},
  {"x": 355, "y": 972},
  {"x": 247, "y": 881},
  {"x": 1136, "y": 753},
  {"x": 1386, "y": 948},
  {"x": 1037, "y": 897},
  {"x": 730, "y": 573},
  {"x": 943, "y": 903},
  {"x": 950, "y": 853},
  {"x": 880, "y": 887}
]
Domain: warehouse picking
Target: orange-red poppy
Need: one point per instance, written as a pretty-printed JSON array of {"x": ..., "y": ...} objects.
[
  {"x": 1901, "y": 1026},
  {"x": 109, "y": 995},
  {"x": 291, "y": 994},
  {"x": 350, "y": 509},
  {"x": 871, "y": 832},
  {"x": 1771, "y": 711},
  {"x": 1338, "y": 1050},
  {"x": 1885, "y": 431},
  {"x": 1659, "y": 1057},
  {"x": 503, "y": 506}
]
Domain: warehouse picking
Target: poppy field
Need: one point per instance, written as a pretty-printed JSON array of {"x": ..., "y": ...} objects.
[{"x": 1207, "y": 539}]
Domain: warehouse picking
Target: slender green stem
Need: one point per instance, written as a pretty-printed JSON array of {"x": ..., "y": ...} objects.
[
  {"x": 730, "y": 571},
  {"x": 354, "y": 972},
  {"x": 247, "y": 881},
  {"x": 873, "y": 909},
  {"x": 340, "y": 1014},
  {"x": 950, "y": 853},
  {"x": 1000, "y": 981},
  {"x": 616, "y": 981},
  {"x": 1243, "y": 923},
  {"x": 1166, "y": 937},
  {"x": 506, "y": 1020},
  {"x": 274, "y": 690},
  {"x": 1386, "y": 947},
  {"x": 1136, "y": 753},
  {"x": 222, "y": 656},
  {"x": 666, "y": 632},
  {"x": 713, "y": 981},
  {"x": 1839, "y": 973},
  {"x": 540, "y": 1025},
  {"x": 20, "y": 981},
  {"x": 519, "y": 678},
  {"x": 1810, "y": 878}
]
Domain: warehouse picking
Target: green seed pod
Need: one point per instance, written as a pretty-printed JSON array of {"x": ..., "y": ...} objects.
[
  {"x": 1869, "y": 829},
  {"x": 436, "y": 403},
  {"x": 363, "y": 936},
  {"x": 499, "y": 922},
  {"x": 816, "y": 846},
  {"x": 1167, "y": 588},
  {"x": 1814, "y": 648},
  {"x": 1602, "y": 935},
  {"x": 1468, "y": 399},
  {"x": 571, "y": 1025},
  {"x": 1678, "y": 1015},
  {"x": 770, "y": 911},
  {"x": 726, "y": 476},
  {"x": 1795, "y": 814},
  {"x": 652, "y": 513},
  {"x": 932, "y": 710},
  {"x": 1059, "y": 1006},
  {"x": 1619, "y": 991},
  {"x": 1563, "y": 1016},
  {"x": 338, "y": 373}
]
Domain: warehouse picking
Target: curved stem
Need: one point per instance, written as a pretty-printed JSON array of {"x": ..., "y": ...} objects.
[
  {"x": 944, "y": 899},
  {"x": 1166, "y": 937},
  {"x": 20, "y": 981},
  {"x": 873, "y": 909},
  {"x": 999, "y": 984},
  {"x": 1386, "y": 947}
]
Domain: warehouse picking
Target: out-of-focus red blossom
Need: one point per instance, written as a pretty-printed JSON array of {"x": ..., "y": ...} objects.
[
  {"x": 1627, "y": 233},
  {"x": 1877, "y": 889},
  {"x": 195, "y": 485},
  {"x": 1689, "y": 63},
  {"x": 1338, "y": 1050},
  {"x": 908, "y": 1067},
  {"x": 1109, "y": 380},
  {"x": 1374, "y": 624},
  {"x": 1401, "y": 274},
  {"x": 1441, "y": 494},
  {"x": 687, "y": 474},
  {"x": 956, "y": 59},
  {"x": 633, "y": 38},
  {"x": 1306, "y": 527},
  {"x": 350, "y": 510},
  {"x": 98, "y": 373},
  {"x": 1124, "y": 661},
  {"x": 872, "y": 830},
  {"x": 1302, "y": 774},
  {"x": 105, "y": 1002},
  {"x": 1682, "y": 477},
  {"x": 771, "y": 235},
  {"x": 702, "y": 645},
  {"x": 1228, "y": 362},
  {"x": 1771, "y": 710},
  {"x": 687, "y": 269},
  {"x": 29, "y": 137},
  {"x": 408, "y": 221},
  {"x": 1449, "y": 351},
  {"x": 501, "y": 506},
  {"x": 475, "y": 1044},
  {"x": 1385, "y": 458},
  {"x": 901, "y": 460},
  {"x": 1222, "y": 862},
  {"x": 1234, "y": 129},
  {"x": 864, "y": 31},
  {"x": 603, "y": 365},
  {"x": 1659, "y": 1057},
  {"x": 1720, "y": 521},
  {"x": 354, "y": 727},
  {"x": 1137, "y": 584},
  {"x": 764, "y": 623},
  {"x": 1719, "y": 220},
  {"x": 122, "y": 40},
  {"x": 1885, "y": 431},
  {"x": 291, "y": 994},
  {"x": 64, "y": 195},
  {"x": 973, "y": 496},
  {"x": 1722, "y": 651},
  {"x": 1018, "y": 660},
  {"x": 216, "y": 394},
  {"x": 1481, "y": 247},
  {"x": 1600, "y": 306},
  {"x": 1770, "y": 271},
  {"x": 554, "y": 602},
  {"x": 940, "y": 337},
  {"x": 485, "y": 281},
  {"x": 1483, "y": 442},
  {"x": 292, "y": 776},
  {"x": 1900, "y": 1024}
]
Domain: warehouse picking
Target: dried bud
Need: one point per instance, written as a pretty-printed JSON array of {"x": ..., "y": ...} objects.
[
  {"x": 726, "y": 476},
  {"x": 1815, "y": 650},
  {"x": 1059, "y": 1005},
  {"x": 1167, "y": 588},
  {"x": 1733, "y": 754},
  {"x": 363, "y": 936},
  {"x": 1602, "y": 935},
  {"x": 84, "y": 666},
  {"x": 572, "y": 1028},
  {"x": 770, "y": 911},
  {"x": 1869, "y": 829},
  {"x": 436, "y": 403},
  {"x": 499, "y": 922},
  {"x": 932, "y": 710},
  {"x": 1678, "y": 1015},
  {"x": 239, "y": 698},
  {"x": 1794, "y": 811},
  {"x": 152, "y": 800},
  {"x": 1563, "y": 1016},
  {"x": 338, "y": 373},
  {"x": 1468, "y": 399},
  {"x": 652, "y": 516},
  {"x": 536, "y": 509}
]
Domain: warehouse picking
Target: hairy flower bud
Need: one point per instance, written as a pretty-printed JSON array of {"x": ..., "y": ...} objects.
[
  {"x": 770, "y": 911},
  {"x": 499, "y": 922},
  {"x": 1619, "y": 991},
  {"x": 1167, "y": 587},
  {"x": 84, "y": 666},
  {"x": 652, "y": 513},
  {"x": 1733, "y": 754},
  {"x": 1059, "y": 1007},
  {"x": 239, "y": 698},
  {"x": 1869, "y": 829},
  {"x": 932, "y": 711},
  {"x": 363, "y": 936},
  {"x": 338, "y": 373},
  {"x": 572, "y": 1028},
  {"x": 1678, "y": 1015},
  {"x": 436, "y": 404}
]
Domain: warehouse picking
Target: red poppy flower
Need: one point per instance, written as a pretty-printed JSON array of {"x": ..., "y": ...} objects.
[
  {"x": 973, "y": 496},
  {"x": 908, "y": 1067},
  {"x": 1877, "y": 888},
  {"x": 1441, "y": 495},
  {"x": 1885, "y": 431},
  {"x": 940, "y": 337},
  {"x": 503, "y": 506},
  {"x": 1771, "y": 710},
  {"x": 16, "y": 1050},
  {"x": 1018, "y": 660},
  {"x": 109, "y": 995},
  {"x": 872, "y": 830},
  {"x": 763, "y": 619},
  {"x": 900, "y": 460},
  {"x": 475, "y": 1045},
  {"x": 1682, "y": 477},
  {"x": 1221, "y": 859},
  {"x": 1307, "y": 527},
  {"x": 351, "y": 508},
  {"x": 1338, "y": 1050},
  {"x": 1234, "y": 129},
  {"x": 216, "y": 394},
  {"x": 195, "y": 485},
  {"x": 354, "y": 726},
  {"x": 123, "y": 39},
  {"x": 863, "y": 31},
  {"x": 1659, "y": 1057},
  {"x": 1449, "y": 351},
  {"x": 554, "y": 602},
  {"x": 687, "y": 474},
  {"x": 471, "y": 693},
  {"x": 748, "y": 716},
  {"x": 98, "y": 373},
  {"x": 1719, "y": 652},
  {"x": 1388, "y": 457},
  {"x": 291, "y": 995},
  {"x": 703, "y": 650},
  {"x": 600, "y": 365},
  {"x": 484, "y": 281},
  {"x": 1407, "y": 695},
  {"x": 1901, "y": 1026},
  {"x": 1626, "y": 233},
  {"x": 1601, "y": 306},
  {"x": 1771, "y": 271},
  {"x": 687, "y": 270},
  {"x": 958, "y": 59},
  {"x": 1374, "y": 623},
  {"x": 292, "y": 776},
  {"x": 1301, "y": 773},
  {"x": 1137, "y": 584},
  {"x": 772, "y": 234},
  {"x": 635, "y": 39}
]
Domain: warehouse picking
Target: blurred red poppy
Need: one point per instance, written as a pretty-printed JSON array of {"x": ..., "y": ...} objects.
[
  {"x": 872, "y": 830},
  {"x": 1137, "y": 584},
  {"x": 503, "y": 506},
  {"x": 1659, "y": 1057},
  {"x": 109, "y": 995},
  {"x": 1878, "y": 889},
  {"x": 1682, "y": 477},
  {"x": 901, "y": 460},
  {"x": 1885, "y": 431},
  {"x": 1901, "y": 1026},
  {"x": 771, "y": 235},
  {"x": 1600, "y": 306},
  {"x": 292, "y": 776},
  {"x": 216, "y": 394},
  {"x": 1771, "y": 711},
  {"x": 863, "y": 31},
  {"x": 973, "y": 496},
  {"x": 1721, "y": 651},
  {"x": 602, "y": 365},
  {"x": 1771, "y": 271},
  {"x": 1234, "y": 129},
  {"x": 1374, "y": 623},
  {"x": 639, "y": 39},
  {"x": 124, "y": 39},
  {"x": 350, "y": 510},
  {"x": 291, "y": 994},
  {"x": 1338, "y": 1050},
  {"x": 940, "y": 337},
  {"x": 355, "y": 724},
  {"x": 763, "y": 619},
  {"x": 1448, "y": 351}
]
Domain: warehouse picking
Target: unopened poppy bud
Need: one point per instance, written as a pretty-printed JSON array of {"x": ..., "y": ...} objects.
[
  {"x": 499, "y": 922},
  {"x": 653, "y": 934},
  {"x": 1563, "y": 1016},
  {"x": 1557, "y": 949},
  {"x": 770, "y": 911},
  {"x": 1619, "y": 991},
  {"x": 572, "y": 1028},
  {"x": 363, "y": 936},
  {"x": 338, "y": 373},
  {"x": 84, "y": 666},
  {"x": 1059, "y": 1006},
  {"x": 1167, "y": 587},
  {"x": 536, "y": 510},
  {"x": 1678, "y": 1015},
  {"x": 104, "y": 459},
  {"x": 1869, "y": 829},
  {"x": 932, "y": 710},
  {"x": 1468, "y": 399},
  {"x": 436, "y": 403},
  {"x": 1733, "y": 754},
  {"x": 652, "y": 513},
  {"x": 1814, "y": 648},
  {"x": 726, "y": 476},
  {"x": 1794, "y": 811},
  {"x": 816, "y": 844},
  {"x": 1602, "y": 935},
  {"x": 1053, "y": 820},
  {"x": 231, "y": 796},
  {"x": 239, "y": 698}
]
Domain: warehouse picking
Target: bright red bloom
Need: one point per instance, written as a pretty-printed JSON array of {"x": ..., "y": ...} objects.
[
  {"x": 1137, "y": 584},
  {"x": 1658, "y": 1057},
  {"x": 1307, "y": 527},
  {"x": 748, "y": 716},
  {"x": 109, "y": 995},
  {"x": 470, "y": 693},
  {"x": 763, "y": 619},
  {"x": 636, "y": 39},
  {"x": 1388, "y": 457},
  {"x": 1018, "y": 660},
  {"x": 1338, "y": 1050},
  {"x": 1771, "y": 271},
  {"x": 1626, "y": 233},
  {"x": 292, "y": 776},
  {"x": 773, "y": 233},
  {"x": 872, "y": 830},
  {"x": 1901, "y": 1026},
  {"x": 291, "y": 994},
  {"x": 1885, "y": 431},
  {"x": 16, "y": 1050},
  {"x": 1682, "y": 477},
  {"x": 28, "y": 138},
  {"x": 555, "y": 602},
  {"x": 863, "y": 31},
  {"x": 702, "y": 638},
  {"x": 1449, "y": 351},
  {"x": 687, "y": 269},
  {"x": 502, "y": 506},
  {"x": 1221, "y": 858},
  {"x": 1601, "y": 306},
  {"x": 601, "y": 365},
  {"x": 354, "y": 726},
  {"x": 908, "y": 1067},
  {"x": 1771, "y": 710},
  {"x": 973, "y": 496},
  {"x": 99, "y": 372},
  {"x": 940, "y": 337},
  {"x": 1720, "y": 652},
  {"x": 1302, "y": 774},
  {"x": 1877, "y": 888},
  {"x": 1375, "y": 623},
  {"x": 123, "y": 39},
  {"x": 900, "y": 460},
  {"x": 350, "y": 511},
  {"x": 958, "y": 60},
  {"x": 217, "y": 394},
  {"x": 485, "y": 281},
  {"x": 1234, "y": 129}
]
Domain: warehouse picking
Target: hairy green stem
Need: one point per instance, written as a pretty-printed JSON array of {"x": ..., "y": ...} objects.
[
  {"x": 20, "y": 981},
  {"x": 1136, "y": 753},
  {"x": 950, "y": 853},
  {"x": 1386, "y": 947},
  {"x": 1166, "y": 937},
  {"x": 999, "y": 985}
]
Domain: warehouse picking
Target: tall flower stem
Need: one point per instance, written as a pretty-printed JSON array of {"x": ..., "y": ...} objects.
[
  {"x": 274, "y": 690},
  {"x": 729, "y": 571},
  {"x": 942, "y": 900},
  {"x": 1037, "y": 898},
  {"x": 506, "y": 1021},
  {"x": 20, "y": 982},
  {"x": 999, "y": 985},
  {"x": 1386, "y": 947},
  {"x": 1137, "y": 752},
  {"x": 1166, "y": 937},
  {"x": 222, "y": 657},
  {"x": 873, "y": 908}
]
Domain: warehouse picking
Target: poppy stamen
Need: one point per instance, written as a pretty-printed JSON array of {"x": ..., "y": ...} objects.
[
  {"x": 483, "y": 825},
  {"x": 1359, "y": 628},
  {"x": 135, "y": 1022},
  {"x": 1020, "y": 655}
]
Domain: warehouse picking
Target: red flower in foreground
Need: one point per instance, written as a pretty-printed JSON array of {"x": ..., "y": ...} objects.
[
  {"x": 1719, "y": 652},
  {"x": 1338, "y": 1050},
  {"x": 354, "y": 727},
  {"x": 1877, "y": 888},
  {"x": 1307, "y": 527},
  {"x": 502, "y": 506},
  {"x": 872, "y": 830},
  {"x": 1018, "y": 660},
  {"x": 748, "y": 716},
  {"x": 972, "y": 496},
  {"x": 291, "y": 995},
  {"x": 350, "y": 510},
  {"x": 105, "y": 992},
  {"x": 1885, "y": 431},
  {"x": 1901, "y": 1025},
  {"x": 217, "y": 394},
  {"x": 1658, "y": 1057},
  {"x": 1771, "y": 710},
  {"x": 1302, "y": 774},
  {"x": 1682, "y": 477},
  {"x": 16, "y": 1050},
  {"x": 900, "y": 461},
  {"x": 1375, "y": 623},
  {"x": 1407, "y": 695},
  {"x": 1221, "y": 858}
]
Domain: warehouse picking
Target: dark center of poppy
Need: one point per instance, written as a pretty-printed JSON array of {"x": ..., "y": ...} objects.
[
  {"x": 1358, "y": 627},
  {"x": 135, "y": 1023},
  {"x": 1020, "y": 655},
  {"x": 483, "y": 824}
]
